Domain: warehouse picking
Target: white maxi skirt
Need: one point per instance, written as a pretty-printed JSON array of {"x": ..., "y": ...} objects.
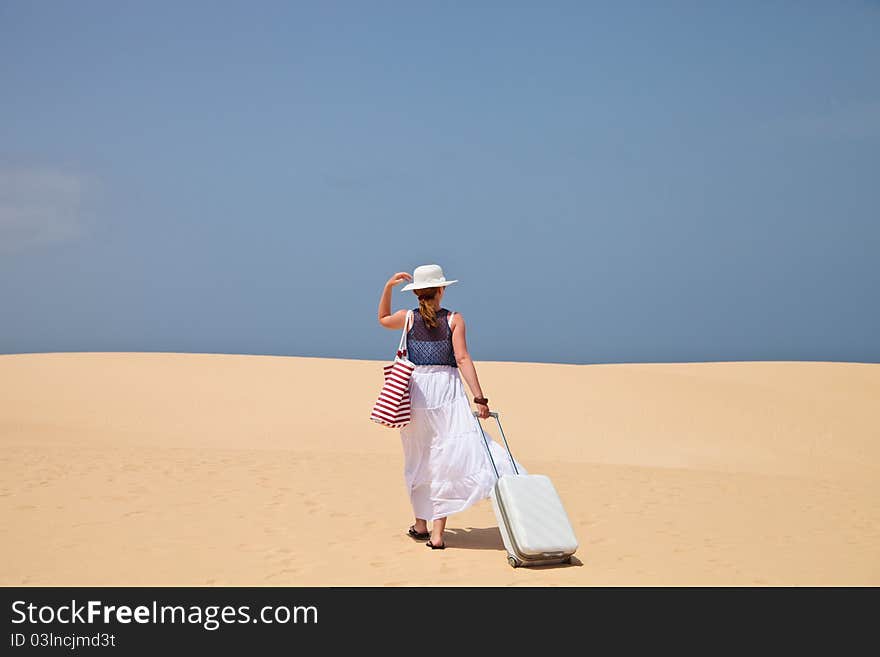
[{"x": 446, "y": 466}]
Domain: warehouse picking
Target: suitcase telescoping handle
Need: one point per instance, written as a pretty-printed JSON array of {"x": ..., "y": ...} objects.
[{"x": 486, "y": 442}]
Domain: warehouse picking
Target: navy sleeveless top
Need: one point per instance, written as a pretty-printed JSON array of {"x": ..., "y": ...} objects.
[{"x": 430, "y": 346}]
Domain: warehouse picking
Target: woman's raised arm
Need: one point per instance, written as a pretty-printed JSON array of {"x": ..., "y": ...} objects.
[{"x": 386, "y": 318}]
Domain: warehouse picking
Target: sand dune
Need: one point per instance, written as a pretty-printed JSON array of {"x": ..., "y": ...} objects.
[{"x": 195, "y": 469}]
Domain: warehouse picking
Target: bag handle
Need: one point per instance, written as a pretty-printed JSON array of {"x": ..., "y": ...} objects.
[
  {"x": 401, "y": 347},
  {"x": 486, "y": 442}
]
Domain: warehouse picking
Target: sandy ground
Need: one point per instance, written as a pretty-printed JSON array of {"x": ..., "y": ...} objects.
[{"x": 200, "y": 469}]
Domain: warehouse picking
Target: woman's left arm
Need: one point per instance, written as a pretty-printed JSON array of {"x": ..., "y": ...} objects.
[{"x": 386, "y": 319}]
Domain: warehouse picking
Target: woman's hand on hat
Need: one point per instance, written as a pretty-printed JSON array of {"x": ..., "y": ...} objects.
[{"x": 398, "y": 277}]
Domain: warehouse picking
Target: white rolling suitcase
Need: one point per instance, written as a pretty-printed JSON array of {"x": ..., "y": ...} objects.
[{"x": 533, "y": 523}]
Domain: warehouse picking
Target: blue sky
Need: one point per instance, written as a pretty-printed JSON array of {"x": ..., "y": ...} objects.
[{"x": 611, "y": 182}]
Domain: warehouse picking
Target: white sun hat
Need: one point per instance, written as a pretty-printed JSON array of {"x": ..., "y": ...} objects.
[{"x": 428, "y": 276}]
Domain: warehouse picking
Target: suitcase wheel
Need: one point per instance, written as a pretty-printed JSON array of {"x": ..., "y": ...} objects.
[{"x": 513, "y": 562}]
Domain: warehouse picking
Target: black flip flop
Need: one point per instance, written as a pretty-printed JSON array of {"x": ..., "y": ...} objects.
[
  {"x": 419, "y": 536},
  {"x": 442, "y": 546}
]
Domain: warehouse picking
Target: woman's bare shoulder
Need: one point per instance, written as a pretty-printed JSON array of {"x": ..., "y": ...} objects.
[{"x": 395, "y": 320}]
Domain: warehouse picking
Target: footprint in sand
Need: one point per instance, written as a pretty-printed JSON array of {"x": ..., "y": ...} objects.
[
  {"x": 280, "y": 573},
  {"x": 312, "y": 506}
]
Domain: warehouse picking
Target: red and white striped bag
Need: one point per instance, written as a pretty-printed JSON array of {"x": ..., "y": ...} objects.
[{"x": 392, "y": 407}]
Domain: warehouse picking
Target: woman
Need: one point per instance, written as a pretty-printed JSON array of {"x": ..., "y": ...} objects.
[{"x": 446, "y": 466}]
